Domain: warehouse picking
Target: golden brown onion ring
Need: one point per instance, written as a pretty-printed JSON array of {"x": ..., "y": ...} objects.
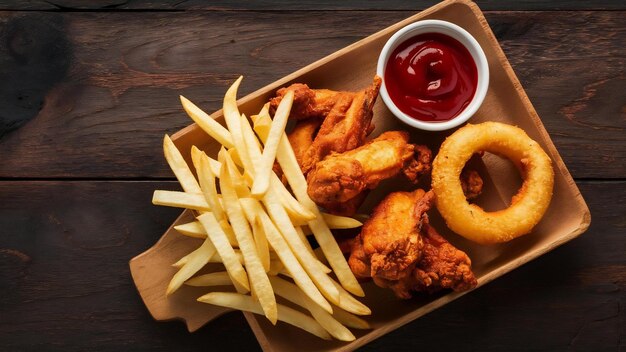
[{"x": 527, "y": 207}]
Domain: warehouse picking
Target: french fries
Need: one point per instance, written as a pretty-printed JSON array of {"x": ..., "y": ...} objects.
[
  {"x": 277, "y": 130},
  {"x": 223, "y": 247},
  {"x": 207, "y": 123},
  {"x": 218, "y": 278},
  {"x": 194, "y": 201},
  {"x": 195, "y": 261},
  {"x": 291, "y": 292},
  {"x": 256, "y": 228},
  {"x": 259, "y": 282},
  {"x": 286, "y": 314},
  {"x": 179, "y": 166}
]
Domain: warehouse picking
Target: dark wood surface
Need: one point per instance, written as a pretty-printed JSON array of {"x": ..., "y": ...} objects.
[{"x": 89, "y": 88}]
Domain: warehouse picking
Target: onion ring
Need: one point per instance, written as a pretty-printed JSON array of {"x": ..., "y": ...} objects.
[{"x": 527, "y": 207}]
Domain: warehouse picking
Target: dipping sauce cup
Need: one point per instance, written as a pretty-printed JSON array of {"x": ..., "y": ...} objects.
[{"x": 435, "y": 75}]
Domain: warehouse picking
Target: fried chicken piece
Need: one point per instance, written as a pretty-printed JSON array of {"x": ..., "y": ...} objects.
[
  {"x": 346, "y": 125},
  {"x": 471, "y": 183},
  {"x": 301, "y": 137},
  {"x": 442, "y": 265},
  {"x": 399, "y": 249},
  {"x": 389, "y": 244},
  {"x": 307, "y": 102},
  {"x": 347, "y": 208},
  {"x": 341, "y": 177}
]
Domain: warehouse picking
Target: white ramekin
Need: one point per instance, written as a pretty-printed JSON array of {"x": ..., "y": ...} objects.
[{"x": 451, "y": 30}]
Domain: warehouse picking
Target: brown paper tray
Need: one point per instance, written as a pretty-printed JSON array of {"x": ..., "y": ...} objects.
[{"x": 353, "y": 68}]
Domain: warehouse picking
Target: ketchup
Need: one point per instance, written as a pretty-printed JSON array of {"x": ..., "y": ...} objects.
[{"x": 431, "y": 77}]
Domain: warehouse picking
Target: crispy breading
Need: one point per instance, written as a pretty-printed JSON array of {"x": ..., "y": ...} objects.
[
  {"x": 345, "y": 127},
  {"x": 308, "y": 103},
  {"x": 341, "y": 177},
  {"x": 399, "y": 249}
]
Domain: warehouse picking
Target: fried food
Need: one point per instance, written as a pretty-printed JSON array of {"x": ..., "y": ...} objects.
[
  {"x": 292, "y": 172},
  {"x": 399, "y": 250},
  {"x": 347, "y": 208},
  {"x": 442, "y": 265},
  {"x": 341, "y": 177},
  {"x": 345, "y": 127},
  {"x": 471, "y": 183},
  {"x": 252, "y": 227},
  {"x": 308, "y": 103},
  {"x": 527, "y": 207},
  {"x": 301, "y": 137}
]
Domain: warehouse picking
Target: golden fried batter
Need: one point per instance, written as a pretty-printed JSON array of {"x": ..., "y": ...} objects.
[
  {"x": 308, "y": 103},
  {"x": 399, "y": 249},
  {"x": 301, "y": 137},
  {"x": 442, "y": 265},
  {"x": 345, "y": 127},
  {"x": 389, "y": 244},
  {"x": 341, "y": 177}
]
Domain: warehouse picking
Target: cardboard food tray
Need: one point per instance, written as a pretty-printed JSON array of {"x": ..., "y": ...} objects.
[{"x": 353, "y": 68}]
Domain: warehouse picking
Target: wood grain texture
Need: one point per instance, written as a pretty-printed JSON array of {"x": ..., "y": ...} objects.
[
  {"x": 286, "y": 5},
  {"x": 107, "y": 93},
  {"x": 65, "y": 283}
]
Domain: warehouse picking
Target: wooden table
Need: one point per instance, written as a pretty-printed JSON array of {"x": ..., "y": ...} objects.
[{"x": 89, "y": 89}]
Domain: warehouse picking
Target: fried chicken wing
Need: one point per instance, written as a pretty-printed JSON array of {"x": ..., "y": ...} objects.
[
  {"x": 308, "y": 103},
  {"x": 399, "y": 249},
  {"x": 389, "y": 244},
  {"x": 347, "y": 208},
  {"x": 341, "y": 177},
  {"x": 441, "y": 265},
  {"x": 346, "y": 125},
  {"x": 301, "y": 137},
  {"x": 471, "y": 183}
]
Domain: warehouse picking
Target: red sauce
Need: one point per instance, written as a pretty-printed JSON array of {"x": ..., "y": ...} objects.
[{"x": 431, "y": 77}]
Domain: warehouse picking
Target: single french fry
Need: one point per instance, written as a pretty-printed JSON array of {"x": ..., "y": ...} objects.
[
  {"x": 293, "y": 294},
  {"x": 340, "y": 222},
  {"x": 179, "y": 166},
  {"x": 350, "y": 320},
  {"x": 209, "y": 189},
  {"x": 195, "y": 158},
  {"x": 349, "y": 303},
  {"x": 223, "y": 247},
  {"x": 232, "y": 117},
  {"x": 309, "y": 262},
  {"x": 284, "y": 313},
  {"x": 194, "y": 229},
  {"x": 259, "y": 281},
  {"x": 195, "y": 261},
  {"x": 218, "y": 278},
  {"x": 305, "y": 240},
  {"x": 207, "y": 123},
  {"x": 182, "y": 261},
  {"x": 262, "y": 246},
  {"x": 180, "y": 200},
  {"x": 262, "y": 175},
  {"x": 215, "y": 258},
  {"x": 237, "y": 179},
  {"x": 191, "y": 229},
  {"x": 335, "y": 222}
]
